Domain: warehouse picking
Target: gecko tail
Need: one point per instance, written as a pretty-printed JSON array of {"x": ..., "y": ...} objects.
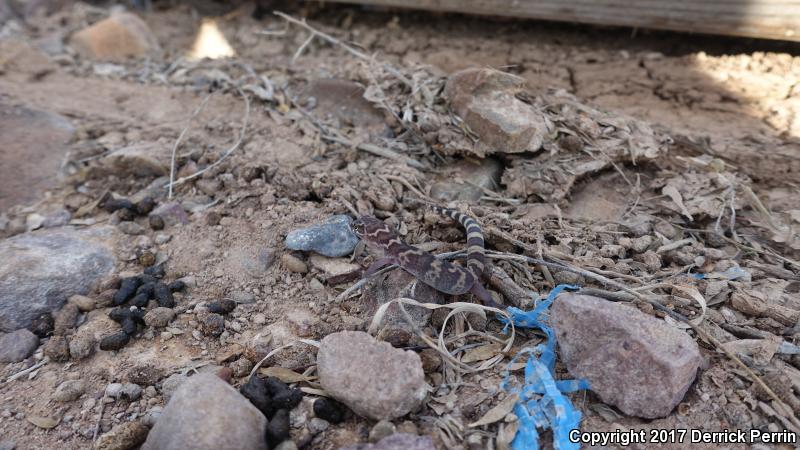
[{"x": 475, "y": 244}]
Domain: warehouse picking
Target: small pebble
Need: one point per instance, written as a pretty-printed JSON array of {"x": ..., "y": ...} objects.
[
  {"x": 330, "y": 238},
  {"x": 381, "y": 429},
  {"x": 131, "y": 228},
  {"x": 83, "y": 302},
  {"x": 69, "y": 390},
  {"x": 317, "y": 425},
  {"x": 162, "y": 238},
  {"x": 159, "y": 317},
  {"x": 125, "y": 436},
  {"x": 293, "y": 263},
  {"x": 156, "y": 222},
  {"x": 212, "y": 324}
]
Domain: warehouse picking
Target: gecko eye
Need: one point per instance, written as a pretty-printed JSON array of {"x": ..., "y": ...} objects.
[{"x": 358, "y": 227}]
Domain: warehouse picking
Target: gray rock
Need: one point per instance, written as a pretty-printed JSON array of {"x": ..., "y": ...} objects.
[
  {"x": 208, "y": 414},
  {"x": 8, "y": 445},
  {"x": 330, "y": 238},
  {"x": 16, "y": 346},
  {"x": 114, "y": 390},
  {"x": 81, "y": 345},
  {"x": 397, "y": 441},
  {"x": 373, "y": 378},
  {"x": 69, "y": 390},
  {"x": 39, "y": 271},
  {"x": 171, "y": 384},
  {"x": 317, "y": 425},
  {"x": 485, "y": 99},
  {"x": 632, "y": 360}
]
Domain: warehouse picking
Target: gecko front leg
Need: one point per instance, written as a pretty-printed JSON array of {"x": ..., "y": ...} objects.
[{"x": 377, "y": 265}]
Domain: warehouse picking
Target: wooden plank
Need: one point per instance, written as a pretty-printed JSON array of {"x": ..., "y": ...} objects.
[{"x": 767, "y": 19}]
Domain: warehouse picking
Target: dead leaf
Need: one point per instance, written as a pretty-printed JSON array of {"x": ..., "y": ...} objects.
[
  {"x": 673, "y": 193},
  {"x": 285, "y": 375},
  {"x": 506, "y": 434},
  {"x": 497, "y": 413},
  {"x": 481, "y": 353},
  {"x": 44, "y": 422}
]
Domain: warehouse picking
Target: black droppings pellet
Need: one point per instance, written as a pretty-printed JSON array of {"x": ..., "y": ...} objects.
[
  {"x": 145, "y": 205},
  {"x": 128, "y": 326},
  {"x": 126, "y": 290},
  {"x": 256, "y": 391},
  {"x": 328, "y": 409},
  {"x": 148, "y": 279},
  {"x": 146, "y": 289},
  {"x": 223, "y": 306},
  {"x": 140, "y": 300},
  {"x": 156, "y": 222},
  {"x": 283, "y": 397},
  {"x": 113, "y": 204},
  {"x": 163, "y": 295},
  {"x": 119, "y": 314},
  {"x": 126, "y": 215},
  {"x": 155, "y": 271},
  {"x": 115, "y": 341},
  {"x": 278, "y": 428},
  {"x": 42, "y": 325},
  {"x": 177, "y": 286}
]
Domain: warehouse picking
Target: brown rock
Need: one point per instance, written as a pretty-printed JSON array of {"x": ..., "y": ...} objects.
[
  {"x": 633, "y": 361},
  {"x": 65, "y": 318},
  {"x": 123, "y": 437},
  {"x": 485, "y": 100},
  {"x": 57, "y": 349},
  {"x": 83, "y": 302},
  {"x": 116, "y": 38}
]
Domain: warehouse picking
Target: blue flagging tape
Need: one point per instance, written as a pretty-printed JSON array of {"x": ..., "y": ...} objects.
[
  {"x": 542, "y": 403},
  {"x": 732, "y": 273}
]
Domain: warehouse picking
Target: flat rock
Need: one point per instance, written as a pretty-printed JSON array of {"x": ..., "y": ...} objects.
[
  {"x": 632, "y": 360},
  {"x": 205, "y": 413},
  {"x": 40, "y": 270},
  {"x": 486, "y": 100},
  {"x": 344, "y": 101},
  {"x": 16, "y": 346},
  {"x": 69, "y": 390},
  {"x": 118, "y": 37},
  {"x": 396, "y": 441},
  {"x": 372, "y": 378},
  {"x": 335, "y": 269},
  {"x": 34, "y": 145},
  {"x": 137, "y": 161},
  {"x": 332, "y": 237}
]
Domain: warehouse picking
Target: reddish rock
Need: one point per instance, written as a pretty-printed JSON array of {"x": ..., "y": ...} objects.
[
  {"x": 632, "y": 360},
  {"x": 486, "y": 100},
  {"x": 116, "y": 38}
]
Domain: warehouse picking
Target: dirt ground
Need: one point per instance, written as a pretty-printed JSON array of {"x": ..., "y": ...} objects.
[{"x": 732, "y": 101}]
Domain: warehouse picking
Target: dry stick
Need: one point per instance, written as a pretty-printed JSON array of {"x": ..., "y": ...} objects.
[
  {"x": 180, "y": 138},
  {"x": 99, "y": 419},
  {"x": 349, "y": 49},
  {"x": 227, "y": 152},
  {"x": 26, "y": 371},
  {"x": 375, "y": 150},
  {"x": 658, "y": 305}
]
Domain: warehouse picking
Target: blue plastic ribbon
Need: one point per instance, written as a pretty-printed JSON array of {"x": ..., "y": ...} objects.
[{"x": 542, "y": 403}]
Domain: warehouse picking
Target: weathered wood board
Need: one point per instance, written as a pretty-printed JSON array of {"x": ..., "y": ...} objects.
[{"x": 768, "y": 19}]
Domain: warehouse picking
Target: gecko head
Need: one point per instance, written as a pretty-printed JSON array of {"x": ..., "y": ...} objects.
[{"x": 369, "y": 228}]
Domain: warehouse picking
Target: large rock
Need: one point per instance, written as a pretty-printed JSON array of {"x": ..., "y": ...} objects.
[
  {"x": 397, "y": 441},
  {"x": 40, "y": 270},
  {"x": 34, "y": 146},
  {"x": 206, "y": 413},
  {"x": 16, "y": 346},
  {"x": 372, "y": 378},
  {"x": 486, "y": 100},
  {"x": 632, "y": 360}
]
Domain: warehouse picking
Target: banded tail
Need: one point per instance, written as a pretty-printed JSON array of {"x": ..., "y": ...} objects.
[{"x": 475, "y": 255}]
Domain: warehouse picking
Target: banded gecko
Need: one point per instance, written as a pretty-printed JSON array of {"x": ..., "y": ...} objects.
[{"x": 439, "y": 274}]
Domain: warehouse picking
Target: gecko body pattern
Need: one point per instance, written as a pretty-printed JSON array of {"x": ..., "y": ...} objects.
[{"x": 439, "y": 274}]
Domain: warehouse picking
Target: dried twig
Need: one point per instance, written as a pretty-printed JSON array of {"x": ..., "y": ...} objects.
[
  {"x": 332, "y": 40},
  {"x": 180, "y": 138},
  {"x": 227, "y": 152},
  {"x": 26, "y": 371}
]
